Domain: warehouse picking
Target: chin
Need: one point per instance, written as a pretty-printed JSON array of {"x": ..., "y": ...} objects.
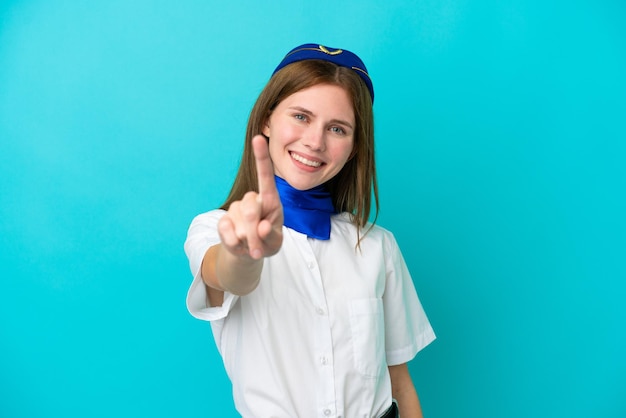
[{"x": 301, "y": 184}]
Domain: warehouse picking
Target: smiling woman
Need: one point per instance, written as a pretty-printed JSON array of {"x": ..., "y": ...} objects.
[
  {"x": 290, "y": 257},
  {"x": 500, "y": 163}
]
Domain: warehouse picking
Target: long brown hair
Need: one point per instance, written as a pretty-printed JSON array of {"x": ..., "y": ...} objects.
[{"x": 353, "y": 188}]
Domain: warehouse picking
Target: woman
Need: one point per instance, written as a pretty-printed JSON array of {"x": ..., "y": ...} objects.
[{"x": 312, "y": 308}]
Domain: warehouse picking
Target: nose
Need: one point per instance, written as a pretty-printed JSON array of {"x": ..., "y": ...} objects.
[{"x": 315, "y": 139}]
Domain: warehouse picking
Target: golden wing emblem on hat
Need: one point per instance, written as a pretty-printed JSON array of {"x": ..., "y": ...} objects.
[{"x": 327, "y": 51}]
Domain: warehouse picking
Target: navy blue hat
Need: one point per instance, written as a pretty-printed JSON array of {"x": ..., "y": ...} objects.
[{"x": 340, "y": 57}]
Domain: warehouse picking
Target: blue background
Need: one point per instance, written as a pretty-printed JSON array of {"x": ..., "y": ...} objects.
[{"x": 501, "y": 144}]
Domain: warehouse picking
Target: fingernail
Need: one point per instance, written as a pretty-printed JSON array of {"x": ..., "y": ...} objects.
[{"x": 256, "y": 254}]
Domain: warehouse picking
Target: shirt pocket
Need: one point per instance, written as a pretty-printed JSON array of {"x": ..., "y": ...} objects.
[{"x": 368, "y": 336}]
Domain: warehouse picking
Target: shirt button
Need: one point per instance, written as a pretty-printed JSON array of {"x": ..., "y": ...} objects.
[
  {"x": 311, "y": 265},
  {"x": 324, "y": 361},
  {"x": 327, "y": 412},
  {"x": 319, "y": 311}
]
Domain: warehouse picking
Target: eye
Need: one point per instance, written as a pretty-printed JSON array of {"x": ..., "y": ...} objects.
[
  {"x": 338, "y": 130},
  {"x": 300, "y": 116}
]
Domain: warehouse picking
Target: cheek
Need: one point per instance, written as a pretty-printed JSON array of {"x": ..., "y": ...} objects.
[
  {"x": 283, "y": 131},
  {"x": 346, "y": 151},
  {"x": 273, "y": 148},
  {"x": 277, "y": 148}
]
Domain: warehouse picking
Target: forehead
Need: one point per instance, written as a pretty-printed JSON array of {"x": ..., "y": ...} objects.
[{"x": 322, "y": 97}]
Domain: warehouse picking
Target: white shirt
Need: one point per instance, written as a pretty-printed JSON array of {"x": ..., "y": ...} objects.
[{"x": 314, "y": 339}]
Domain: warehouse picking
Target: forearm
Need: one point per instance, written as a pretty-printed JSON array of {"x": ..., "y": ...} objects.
[
  {"x": 224, "y": 271},
  {"x": 409, "y": 405},
  {"x": 403, "y": 391}
]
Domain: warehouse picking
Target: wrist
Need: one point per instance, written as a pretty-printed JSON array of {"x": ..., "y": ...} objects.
[{"x": 237, "y": 274}]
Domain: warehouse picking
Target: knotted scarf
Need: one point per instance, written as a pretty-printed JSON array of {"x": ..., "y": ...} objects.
[{"x": 306, "y": 211}]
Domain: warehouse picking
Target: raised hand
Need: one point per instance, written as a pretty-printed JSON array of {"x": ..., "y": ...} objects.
[{"x": 253, "y": 225}]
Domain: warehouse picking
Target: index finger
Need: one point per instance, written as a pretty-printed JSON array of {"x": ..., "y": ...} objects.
[{"x": 264, "y": 166}]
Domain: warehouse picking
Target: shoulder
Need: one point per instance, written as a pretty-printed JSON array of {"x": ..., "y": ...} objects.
[
  {"x": 371, "y": 233},
  {"x": 204, "y": 226},
  {"x": 209, "y": 218}
]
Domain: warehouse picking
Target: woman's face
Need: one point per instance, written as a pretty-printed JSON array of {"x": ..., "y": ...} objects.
[{"x": 311, "y": 135}]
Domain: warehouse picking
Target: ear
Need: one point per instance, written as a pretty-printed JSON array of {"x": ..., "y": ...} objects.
[{"x": 266, "y": 128}]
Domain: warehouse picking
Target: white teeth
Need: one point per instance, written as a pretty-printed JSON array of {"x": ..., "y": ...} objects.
[{"x": 305, "y": 161}]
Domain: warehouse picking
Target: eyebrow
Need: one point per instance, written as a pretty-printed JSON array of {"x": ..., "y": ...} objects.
[{"x": 308, "y": 112}]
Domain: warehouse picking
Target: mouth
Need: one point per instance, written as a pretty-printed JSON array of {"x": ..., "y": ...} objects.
[{"x": 305, "y": 161}]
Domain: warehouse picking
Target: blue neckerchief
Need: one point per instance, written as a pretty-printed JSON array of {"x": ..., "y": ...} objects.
[{"x": 306, "y": 211}]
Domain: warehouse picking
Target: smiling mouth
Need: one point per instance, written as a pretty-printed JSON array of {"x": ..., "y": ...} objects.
[{"x": 305, "y": 161}]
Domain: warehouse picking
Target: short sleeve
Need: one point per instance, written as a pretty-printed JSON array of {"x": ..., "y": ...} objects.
[
  {"x": 407, "y": 328},
  {"x": 201, "y": 235}
]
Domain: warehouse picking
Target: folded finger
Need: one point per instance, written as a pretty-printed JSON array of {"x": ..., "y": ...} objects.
[
  {"x": 250, "y": 212},
  {"x": 228, "y": 235}
]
